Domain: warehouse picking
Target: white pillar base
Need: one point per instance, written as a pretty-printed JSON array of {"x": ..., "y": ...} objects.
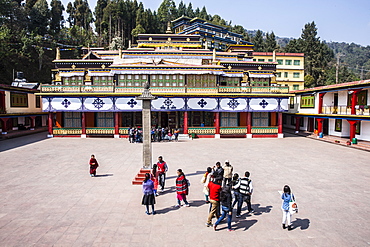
[
  {"x": 297, "y": 131},
  {"x": 4, "y": 133},
  {"x": 249, "y": 135},
  {"x": 32, "y": 128},
  {"x": 280, "y": 135},
  {"x": 83, "y": 135},
  {"x": 50, "y": 136},
  {"x": 217, "y": 136},
  {"x": 116, "y": 136}
]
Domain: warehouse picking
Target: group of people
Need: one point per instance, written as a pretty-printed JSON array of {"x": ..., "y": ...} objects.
[
  {"x": 135, "y": 135},
  {"x": 223, "y": 189},
  {"x": 159, "y": 134},
  {"x": 156, "y": 178}
]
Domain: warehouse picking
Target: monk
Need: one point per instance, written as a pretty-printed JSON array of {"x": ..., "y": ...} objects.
[{"x": 93, "y": 166}]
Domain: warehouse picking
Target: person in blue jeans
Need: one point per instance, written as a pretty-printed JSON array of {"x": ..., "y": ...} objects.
[
  {"x": 225, "y": 199},
  {"x": 237, "y": 195}
]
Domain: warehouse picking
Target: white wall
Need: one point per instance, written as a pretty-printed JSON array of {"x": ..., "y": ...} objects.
[
  {"x": 342, "y": 98},
  {"x": 345, "y": 128},
  {"x": 365, "y": 131},
  {"x": 328, "y": 99}
]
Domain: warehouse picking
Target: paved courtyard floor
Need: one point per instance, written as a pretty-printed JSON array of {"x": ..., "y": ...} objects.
[{"x": 47, "y": 197}]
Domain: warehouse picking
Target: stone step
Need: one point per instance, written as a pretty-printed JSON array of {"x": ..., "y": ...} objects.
[
  {"x": 184, "y": 137},
  {"x": 138, "y": 180}
]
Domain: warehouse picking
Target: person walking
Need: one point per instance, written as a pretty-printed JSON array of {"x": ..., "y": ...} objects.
[
  {"x": 245, "y": 187},
  {"x": 206, "y": 178},
  {"x": 228, "y": 173},
  {"x": 148, "y": 197},
  {"x": 214, "y": 198},
  {"x": 236, "y": 193},
  {"x": 287, "y": 196},
  {"x": 182, "y": 188},
  {"x": 93, "y": 166},
  {"x": 225, "y": 200},
  {"x": 162, "y": 168}
]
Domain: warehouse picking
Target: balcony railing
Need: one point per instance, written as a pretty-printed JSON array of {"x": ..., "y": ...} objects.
[
  {"x": 67, "y": 131},
  {"x": 233, "y": 130},
  {"x": 122, "y": 89},
  {"x": 346, "y": 110},
  {"x": 265, "y": 130},
  {"x": 202, "y": 130}
]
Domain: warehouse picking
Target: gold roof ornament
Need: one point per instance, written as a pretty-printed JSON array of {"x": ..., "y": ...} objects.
[
  {"x": 73, "y": 66},
  {"x": 103, "y": 66}
]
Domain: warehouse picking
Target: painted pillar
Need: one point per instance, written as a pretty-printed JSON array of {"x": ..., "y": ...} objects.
[
  {"x": 354, "y": 102},
  {"x": 297, "y": 122},
  {"x": 5, "y": 126},
  {"x": 321, "y": 100},
  {"x": 280, "y": 125},
  {"x": 50, "y": 125},
  {"x": 217, "y": 125},
  {"x": 319, "y": 125},
  {"x": 185, "y": 122},
  {"x": 83, "y": 125},
  {"x": 352, "y": 129},
  {"x": 32, "y": 122},
  {"x": 249, "y": 125},
  {"x": 116, "y": 125}
]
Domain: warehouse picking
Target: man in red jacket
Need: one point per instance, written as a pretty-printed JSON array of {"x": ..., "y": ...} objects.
[
  {"x": 162, "y": 168},
  {"x": 214, "y": 198}
]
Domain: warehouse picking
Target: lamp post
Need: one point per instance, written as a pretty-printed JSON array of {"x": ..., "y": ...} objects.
[{"x": 146, "y": 97}]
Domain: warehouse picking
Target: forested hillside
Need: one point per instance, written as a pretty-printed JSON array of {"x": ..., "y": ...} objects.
[{"x": 30, "y": 31}]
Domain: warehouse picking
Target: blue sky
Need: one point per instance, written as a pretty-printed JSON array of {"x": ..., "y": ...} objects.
[{"x": 340, "y": 21}]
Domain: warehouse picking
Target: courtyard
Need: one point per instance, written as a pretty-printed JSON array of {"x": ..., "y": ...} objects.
[{"x": 47, "y": 197}]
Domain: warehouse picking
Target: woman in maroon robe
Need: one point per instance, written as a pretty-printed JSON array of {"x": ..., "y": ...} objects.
[{"x": 93, "y": 166}]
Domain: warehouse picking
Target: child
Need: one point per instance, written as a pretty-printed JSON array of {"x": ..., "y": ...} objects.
[
  {"x": 93, "y": 166},
  {"x": 287, "y": 196},
  {"x": 154, "y": 177}
]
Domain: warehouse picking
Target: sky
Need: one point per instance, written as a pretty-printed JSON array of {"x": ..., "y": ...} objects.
[{"x": 338, "y": 21}]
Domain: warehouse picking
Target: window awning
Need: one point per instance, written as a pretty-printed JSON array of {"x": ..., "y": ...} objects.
[
  {"x": 165, "y": 72},
  {"x": 99, "y": 72},
  {"x": 71, "y": 73},
  {"x": 261, "y": 75}
]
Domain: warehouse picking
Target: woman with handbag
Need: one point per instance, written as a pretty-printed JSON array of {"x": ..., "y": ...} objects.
[
  {"x": 205, "y": 180},
  {"x": 287, "y": 207}
]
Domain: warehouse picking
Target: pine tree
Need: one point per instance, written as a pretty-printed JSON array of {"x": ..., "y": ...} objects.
[
  {"x": 270, "y": 42},
  {"x": 39, "y": 17},
  {"x": 258, "y": 41},
  {"x": 56, "y": 13}
]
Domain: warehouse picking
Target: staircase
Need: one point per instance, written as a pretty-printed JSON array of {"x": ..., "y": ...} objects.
[{"x": 138, "y": 180}]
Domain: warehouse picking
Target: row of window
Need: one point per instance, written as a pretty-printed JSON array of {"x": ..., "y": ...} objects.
[
  {"x": 280, "y": 61},
  {"x": 21, "y": 100},
  {"x": 286, "y": 75}
]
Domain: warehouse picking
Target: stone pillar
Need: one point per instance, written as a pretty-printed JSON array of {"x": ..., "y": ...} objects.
[
  {"x": 217, "y": 125},
  {"x": 32, "y": 118},
  {"x": 116, "y": 125},
  {"x": 83, "y": 125},
  {"x": 354, "y": 102},
  {"x": 249, "y": 125},
  {"x": 5, "y": 126},
  {"x": 297, "y": 122},
  {"x": 321, "y": 100},
  {"x": 280, "y": 125},
  {"x": 352, "y": 129},
  {"x": 50, "y": 125},
  {"x": 146, "y": 97},
  {"x": 186, "y": 123}
]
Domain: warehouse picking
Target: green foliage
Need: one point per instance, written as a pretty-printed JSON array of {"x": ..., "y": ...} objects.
[{"x": 258, "y": 41}]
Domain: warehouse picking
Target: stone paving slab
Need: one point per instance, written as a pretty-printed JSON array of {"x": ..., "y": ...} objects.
[{"x": 47, "y": 197}]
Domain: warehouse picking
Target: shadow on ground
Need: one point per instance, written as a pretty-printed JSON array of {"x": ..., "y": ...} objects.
[
  {"x": 103, "y": 175},
  {"x": 188, "y": 174},
  {"x": 243, "y": 224},
  {"x": 20, "y": 141},
  {"x": 301, "y": 223}
]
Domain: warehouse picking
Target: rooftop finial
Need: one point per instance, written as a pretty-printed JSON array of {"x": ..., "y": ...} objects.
[{"x": 168, "y": 28}]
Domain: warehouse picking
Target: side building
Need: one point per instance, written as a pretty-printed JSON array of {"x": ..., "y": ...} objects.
[
  {"x": 201, "y": 90},
  {"x": 341, "y": 110},
  {"x": 20, "y": 109},
  {"x": 289, "y": 68}
]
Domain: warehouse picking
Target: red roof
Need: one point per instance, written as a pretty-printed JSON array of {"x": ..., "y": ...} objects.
[
  {"x": 278, "y": 54},
  {"x": 334, "y": 86}
]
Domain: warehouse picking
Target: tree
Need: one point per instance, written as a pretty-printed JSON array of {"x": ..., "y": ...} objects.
[
  {"x": 99, "y": 13},
  {"x": 203, "y": 13},
  {"x": 56, "y": 13},
  {"x": 270, "y": 42},
  {"x": 166, "y": 13},
  {"x": 190, "y": 11},
  {"x": 258, "y": 41},
  {"x": 181, "y": 10},
  {"x": 39, "y": 17}
]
